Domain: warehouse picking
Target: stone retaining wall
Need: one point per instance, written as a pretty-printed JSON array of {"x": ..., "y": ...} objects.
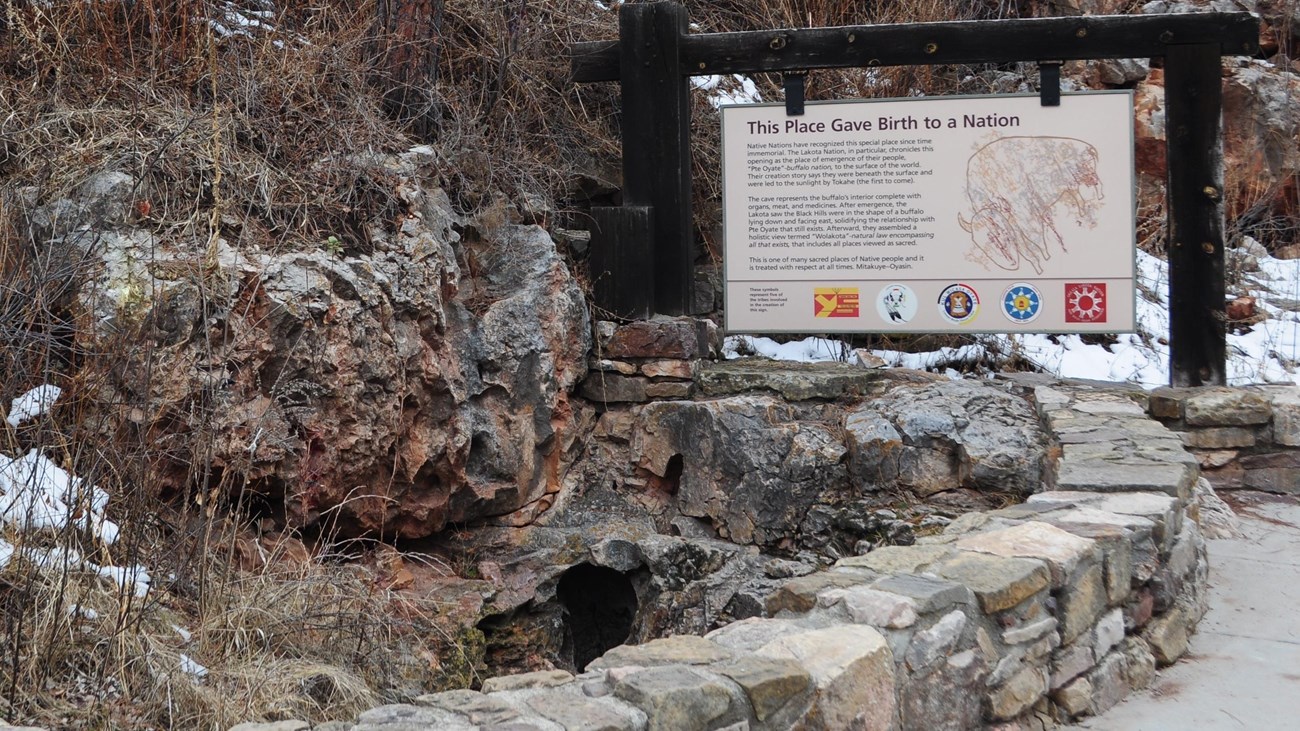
[
  {"x": 1242, "y": 437},
  {"x": 649, "y": 360},
  {"x": 1010, "y": 619}
]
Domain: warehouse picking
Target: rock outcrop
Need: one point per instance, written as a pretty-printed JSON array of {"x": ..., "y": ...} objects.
[
  {"x": 387, "y": 392},
  {"x": 945, "y": 436},
  {"x": 793, "y": 456},
  {"x": 1242, "y": 438},
  {"x": 1261, "y": 111}
]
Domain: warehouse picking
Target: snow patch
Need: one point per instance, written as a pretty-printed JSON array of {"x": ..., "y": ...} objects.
[
  {"x": 728, "y": 89},
  {"x": 33, "y": 404},
  {"x": 193, "y": 668},
  {"x": 37, "y": 494}
]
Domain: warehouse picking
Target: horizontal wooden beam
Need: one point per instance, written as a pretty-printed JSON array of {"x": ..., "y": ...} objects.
[{"x": 963, "y": 41}]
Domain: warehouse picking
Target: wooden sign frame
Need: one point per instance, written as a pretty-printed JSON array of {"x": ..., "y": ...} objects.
[{"x": 642, "y": 253}]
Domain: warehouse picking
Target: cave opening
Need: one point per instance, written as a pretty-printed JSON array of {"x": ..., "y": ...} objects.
[
  {"x": 600, "y": 605},
  {"x": 673, "y": 474}
]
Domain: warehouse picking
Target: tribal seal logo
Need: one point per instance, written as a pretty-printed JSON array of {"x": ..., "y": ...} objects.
[
  {"x": 896, "y": 303},
  {"x": 1085, "y": 302},
  {"x": 835, "y": 301},
  {"x": 1022, "y": 303},
  {"x": 959, "y": 303}
]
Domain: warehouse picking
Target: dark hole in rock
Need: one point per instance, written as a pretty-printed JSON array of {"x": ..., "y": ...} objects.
[
  {"x": 481, "y": 456},
  {"x": 599, "y": 607},
  {"x": 673, "y": 474}
]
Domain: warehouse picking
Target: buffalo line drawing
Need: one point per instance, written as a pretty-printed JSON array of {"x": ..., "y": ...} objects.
[{"x": 1018, "y": 186}]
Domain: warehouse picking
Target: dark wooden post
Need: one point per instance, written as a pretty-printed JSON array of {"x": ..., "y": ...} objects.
[
  {"x": 621, "y": 264},
  {"x": 656, "y": 143},
  {"x": 1197, "y": 323}
]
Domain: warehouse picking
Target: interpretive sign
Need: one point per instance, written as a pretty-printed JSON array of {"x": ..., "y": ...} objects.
[{"x": 953, "y": 214}]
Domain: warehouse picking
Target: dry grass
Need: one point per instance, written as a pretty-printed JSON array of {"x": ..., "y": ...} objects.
[
  {"x": 313, "y": 640},
  {"x": 253, "y": 139}
]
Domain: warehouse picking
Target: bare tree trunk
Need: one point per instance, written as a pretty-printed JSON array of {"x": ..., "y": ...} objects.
[{"x": 408, "y": 43}]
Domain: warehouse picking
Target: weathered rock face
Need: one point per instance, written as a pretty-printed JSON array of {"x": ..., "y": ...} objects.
[
  {"x": 1015, "y": 618},
  {"x": 1260, "y": 109},
  {"x": 1261, "y": 103},
  {"x": 810, "y": 457},
  {"x": 944, "y": 436},
  {"x": 747, "y": 463},
  {"x": 389, "y": 392}
]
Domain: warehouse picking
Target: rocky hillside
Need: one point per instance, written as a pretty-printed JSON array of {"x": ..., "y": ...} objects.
[{"x": 310, "y": 279}]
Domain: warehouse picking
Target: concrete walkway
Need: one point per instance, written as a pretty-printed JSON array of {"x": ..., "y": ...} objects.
[{"x": 1243, "y": 668}]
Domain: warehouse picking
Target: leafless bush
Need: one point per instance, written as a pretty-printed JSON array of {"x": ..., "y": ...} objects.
[{"x": 249, "y": 138}]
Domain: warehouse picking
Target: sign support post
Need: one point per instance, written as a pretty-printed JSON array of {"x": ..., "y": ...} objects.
[
  {"x": 1197, "y": 323},
  {"x": 642, "y": 258}
]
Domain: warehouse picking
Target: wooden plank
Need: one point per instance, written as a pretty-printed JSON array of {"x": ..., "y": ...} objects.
[
  {"x": 967, "y": 41},
  {"x": 656, "y": 142},
  {"x": 1193, "y": 107},
  {"x": 620, "y": 262},
  {"x": 594, "y": 61}
]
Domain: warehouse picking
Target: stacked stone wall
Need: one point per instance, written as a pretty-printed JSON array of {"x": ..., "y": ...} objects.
[
  {"x": 1015, "y": 618},
  {"x": 1242, "y": 437},
  {"x": 653, "y": 360}
]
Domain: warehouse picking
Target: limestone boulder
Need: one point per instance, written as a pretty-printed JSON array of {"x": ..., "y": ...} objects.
[
  {"x": 943, "y": 436},
  {"x": 386, "y": 389},
  {"x": 748, "y": 464},
  {"x": 682, "y": 699},
  {"x": 779, "y": 690},
  {"x": 948, "y": 698},
  {"x": 853, "y": 672}
]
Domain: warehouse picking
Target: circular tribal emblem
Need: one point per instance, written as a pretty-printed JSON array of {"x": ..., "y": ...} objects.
[
  {"x": 1022, "y": 303},
  {"x": 959, "y": 303},
  {"x": 896, "y": 303},
  {"x": 1085, "y": 302}
]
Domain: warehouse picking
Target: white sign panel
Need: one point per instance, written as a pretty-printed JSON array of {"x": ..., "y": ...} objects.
[{"x": 952, "y": 214}]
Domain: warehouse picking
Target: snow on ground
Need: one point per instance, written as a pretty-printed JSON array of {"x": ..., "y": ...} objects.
[
  {"x": 728, "y": 89},
  {"x": 234, "y": 20},
  {"x": 1266, "y": 352},
  {"x": 34, "y": 403},
  {"x": 193, "y": 668},
  {"x": 37, "y": 495}
]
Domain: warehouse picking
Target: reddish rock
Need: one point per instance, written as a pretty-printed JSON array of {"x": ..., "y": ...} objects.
[
  {"x": 249, "y": 556},
  {"x": 684, "y": 338},
  {"x": 1231, "y": 476},
  {"x": 1139, "y": 611},
  {"x": 1261, "y": 120},
  {"x": 1242, "y": 308},
  {"x": 1261, "y": 107},
  {"x": 1149, "y": 125},
  {"x": 384, "y": 393},
  {"x": 1291, "y": 251},
  {"x": 669, "y": 368},
  {"x": 1214, "y": 459}
]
